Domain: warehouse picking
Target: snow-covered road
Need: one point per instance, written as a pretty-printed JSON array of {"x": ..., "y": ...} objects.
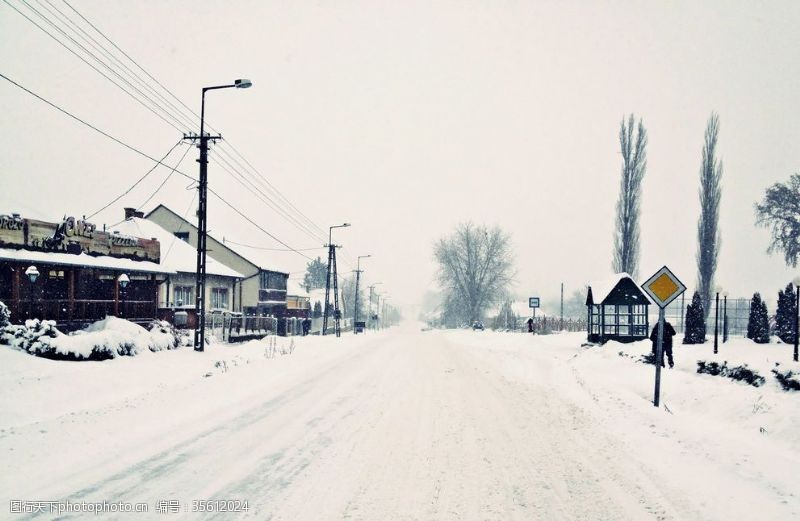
[{"x": 397, "y": 425}]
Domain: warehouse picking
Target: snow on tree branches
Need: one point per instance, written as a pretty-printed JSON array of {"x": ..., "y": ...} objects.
[
  {"x": 475, "y": 271},
  {"x": 708, "y": 234},
  {"x": 758, "y": 323},
  {"x": 634, "y": 165},
  {"x": 695, "y": 321},
  {"x": 780, "y": 211}
]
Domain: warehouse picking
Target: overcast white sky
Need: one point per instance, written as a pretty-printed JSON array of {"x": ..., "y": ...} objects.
[{"x": 405, "y": 118}]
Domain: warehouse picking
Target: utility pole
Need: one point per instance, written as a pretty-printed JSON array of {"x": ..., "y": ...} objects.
[
  {"x": 202, "y": 214},
  {"x": 355, "y": 306},
  {"x": 332, "y": 273},
  {"x": 562, "y": 306}
]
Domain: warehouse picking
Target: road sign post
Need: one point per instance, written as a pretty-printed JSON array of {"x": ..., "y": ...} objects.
[
  {"x": 533, "y": 303},
  {"x": 662, "y": 288}
]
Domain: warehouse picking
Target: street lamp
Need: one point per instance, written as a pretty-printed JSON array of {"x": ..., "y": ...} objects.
[
  {"x": 122, "y": 282},
  {"x": 371, "y": 293},
  {"x": 332, "y": 272},
  {"x": 32, "y": 273},
  {"x": 716, "y": 322},
  {"x": 355, "y": 305},
  {"x": 796, "y": 282},
  {"x": 725, "y": 317},
  {"x": 202, "y": 211}
]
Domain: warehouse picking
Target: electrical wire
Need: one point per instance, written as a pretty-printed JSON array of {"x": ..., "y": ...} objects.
[
  {"x": 226, "y": 241},
  {"x": 165, "y": 179},
  {"x": 134, "y": 185},
  {"x": 83, "y": 122}
]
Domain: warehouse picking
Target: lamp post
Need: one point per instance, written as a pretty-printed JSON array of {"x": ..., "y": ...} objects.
[
  {"x": 122, "y": 282},
  {"x": 796, "y": 313},
  {"x": 355, "y": 305},
  {"x": 371, "y": 293},
  {"x": 384, "y": 320},
  {"x": 32, "y": 273},
  {"x": 724, "y": 317},
  {"x": 332, "y": 273},
  {"x": 716, "y": 323},
  {"x": 202, "y": 210}
]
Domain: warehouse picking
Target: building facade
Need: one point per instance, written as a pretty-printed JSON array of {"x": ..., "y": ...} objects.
[
  {"x": 74, "y": 274},
  {"x": 262, "y": 289}
]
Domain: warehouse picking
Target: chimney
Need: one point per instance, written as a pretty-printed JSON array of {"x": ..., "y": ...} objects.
[{"x": 132, "y": 212}]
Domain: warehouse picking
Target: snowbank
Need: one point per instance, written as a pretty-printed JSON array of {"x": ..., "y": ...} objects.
[{"x": 102, "y": 340}]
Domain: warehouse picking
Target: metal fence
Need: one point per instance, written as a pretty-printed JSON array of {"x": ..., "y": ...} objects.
[
  {"x": 736, "y": 309},
  {"x": 227, "y": 327}
]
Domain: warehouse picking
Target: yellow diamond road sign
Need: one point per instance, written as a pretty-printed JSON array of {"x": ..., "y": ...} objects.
[{"x": 663, "y": 287}]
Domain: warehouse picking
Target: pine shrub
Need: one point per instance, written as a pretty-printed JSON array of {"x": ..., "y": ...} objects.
[
  {"x": 758, "y": 323},
  {"x": 695, "y": 321},
  {"x": 785, "y": 314}
]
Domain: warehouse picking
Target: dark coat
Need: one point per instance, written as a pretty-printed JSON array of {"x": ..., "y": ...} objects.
[{"x": 669, "y": 332}]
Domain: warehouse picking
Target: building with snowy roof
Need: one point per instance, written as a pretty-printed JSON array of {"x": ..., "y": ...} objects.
[
  {"x": 178, "y": 290},
  {"x": 617, "y": 310},
  {"x": 263, "y": 286},
  {"x": 74, "y": 273}
]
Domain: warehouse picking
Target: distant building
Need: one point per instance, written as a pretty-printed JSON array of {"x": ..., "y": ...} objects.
[
  {"x": 262, "y": 289},
  {"x": 298, "y": 301},
  {"x": 617, "y": 310}
]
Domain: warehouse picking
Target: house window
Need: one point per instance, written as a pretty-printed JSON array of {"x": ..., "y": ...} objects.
[
  {"x": 183, "y": 296},
  {"x": 219, "y": 298},
  {"x": 273, "y": 280},
  {"x": 184, "y": 236}
]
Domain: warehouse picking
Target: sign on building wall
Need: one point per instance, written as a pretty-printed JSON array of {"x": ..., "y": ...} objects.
[{"x": 73, "y": 236}]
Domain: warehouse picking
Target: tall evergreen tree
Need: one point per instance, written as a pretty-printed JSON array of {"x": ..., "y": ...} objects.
[
  {"x": 316, "y": 274},
  {"x": 708, "y": 234},
  {"x": 695, "y": 330},
  {"x": 758, "y": 323},
  {"x": 785, "y": 314},
  {"x": 317, "y": 309},
  {"x": 634, "y": 165}
]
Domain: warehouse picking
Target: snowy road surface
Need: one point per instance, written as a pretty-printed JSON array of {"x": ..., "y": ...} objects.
[{"x": 404, "y": 425}]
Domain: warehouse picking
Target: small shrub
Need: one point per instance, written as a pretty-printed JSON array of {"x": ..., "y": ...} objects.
[
  {"x": 740, "y": 373},
  {"x": 789, "y": 380}
]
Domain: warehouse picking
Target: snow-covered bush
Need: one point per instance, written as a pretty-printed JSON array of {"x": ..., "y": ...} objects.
[
  {"x": 5, "y": 315},
  {"x": 789, "y": 380},
  {"x": 164, "y": 334},
  {"x": 740, "y": 373},
  {"x": 102, "y": 340}
]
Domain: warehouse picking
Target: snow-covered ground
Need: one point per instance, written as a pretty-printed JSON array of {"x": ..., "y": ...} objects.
[{"x": 405, "y": 424}]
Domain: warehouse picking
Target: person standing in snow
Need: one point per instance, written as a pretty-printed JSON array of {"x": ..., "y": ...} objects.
[
  {"x": 530, "y": 325},
  {"x": 669, "y": 332}
]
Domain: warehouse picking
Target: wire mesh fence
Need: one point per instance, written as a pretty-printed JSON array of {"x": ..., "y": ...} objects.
[{"x": 734, "y": 311}]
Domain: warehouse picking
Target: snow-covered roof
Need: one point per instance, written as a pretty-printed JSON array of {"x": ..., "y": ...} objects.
[
  {"x": 602, "y": 288},
  {"x": 268, "y": 260},
  {"x": 264, "y": 259},
  {"x": 176, "y": 254},
  {"x": 69, "y": 259}
]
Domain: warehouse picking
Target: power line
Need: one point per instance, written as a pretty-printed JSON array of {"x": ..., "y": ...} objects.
[
  {"x": 84, "y": 60},
  {"x": 226, "y": 241},
  {"x": 165, "y": 179},
  {"x": 272, "y": 188},
  {"x": 232, "y": 207},
  {"x": 134, "y": 185},
  {"x": 83, "y": 122}
]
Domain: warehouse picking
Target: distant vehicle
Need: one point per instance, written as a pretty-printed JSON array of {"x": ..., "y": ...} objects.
[{"x": 477, "y": 326}]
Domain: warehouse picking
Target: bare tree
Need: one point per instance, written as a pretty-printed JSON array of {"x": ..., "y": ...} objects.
[
  {"x": 348, "y": 291},
  {"x": 708, "y": 233},
  {"x": 475, "y": 270},
  {"x": 780, "y": 210},
  {"x": 634, "y": 165}
]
